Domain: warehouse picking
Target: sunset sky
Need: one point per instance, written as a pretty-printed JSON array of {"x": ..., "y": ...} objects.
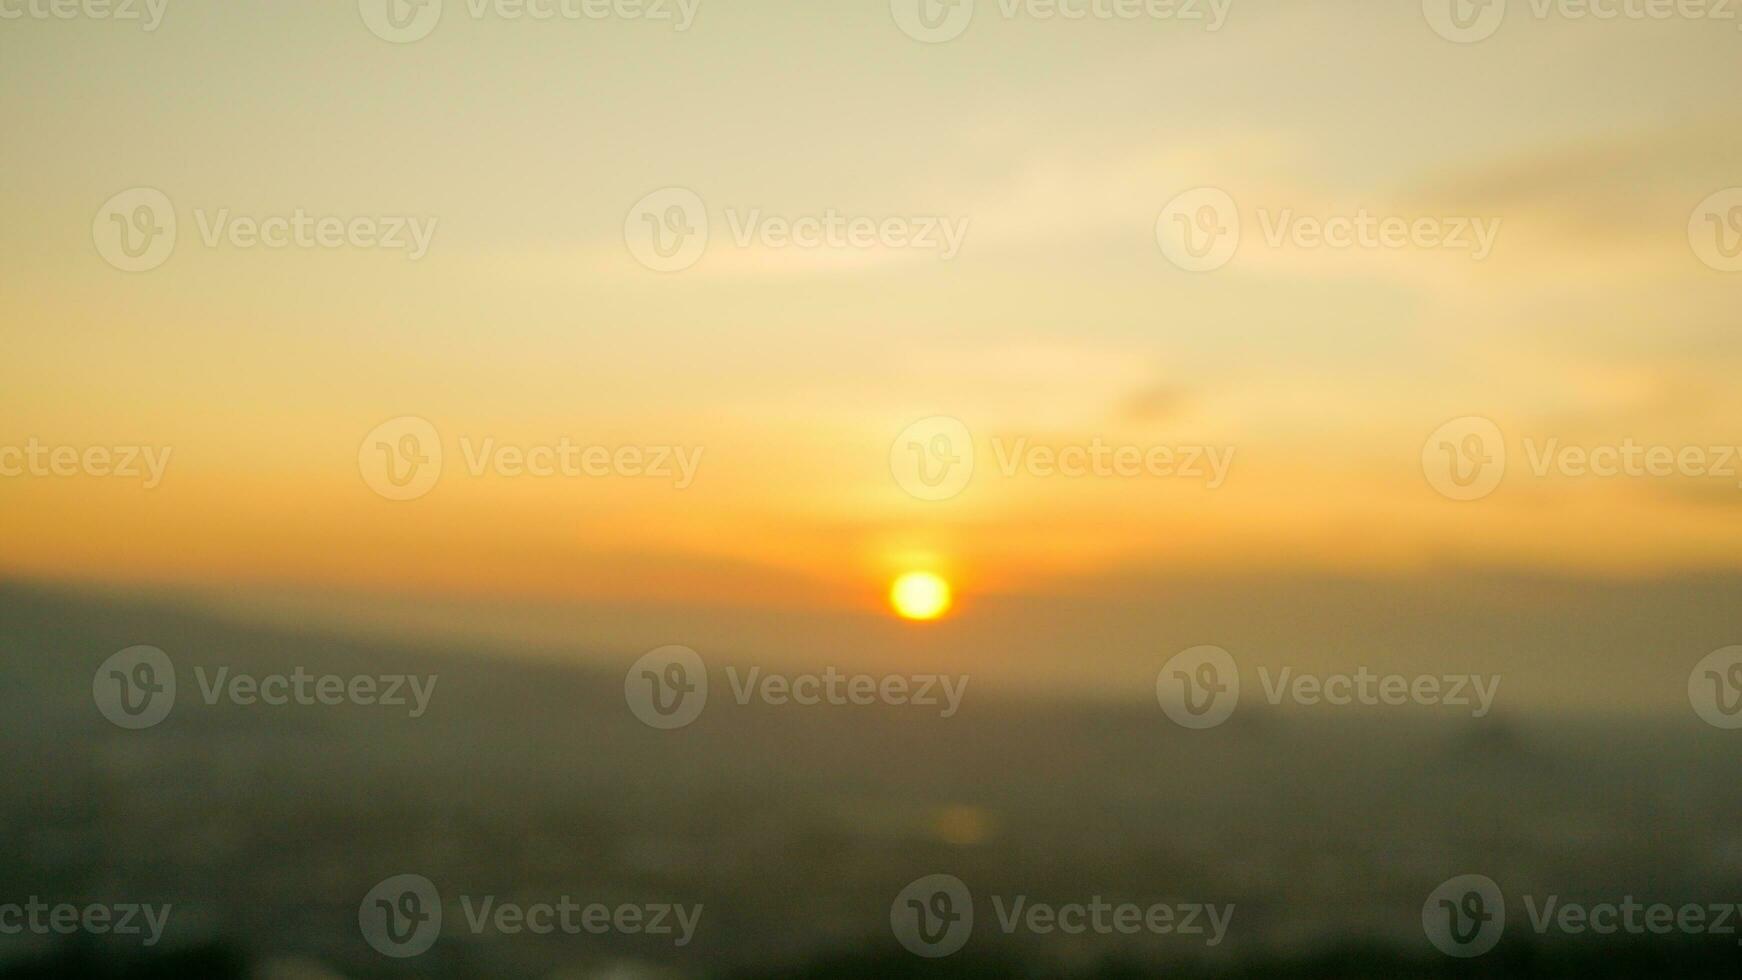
[{"x": 794, "y": 371}]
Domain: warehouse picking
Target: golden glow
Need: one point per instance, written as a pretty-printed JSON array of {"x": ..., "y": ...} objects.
[
  {"x": 1040, "y": 350},
  {"x": 920, "y": 596}
]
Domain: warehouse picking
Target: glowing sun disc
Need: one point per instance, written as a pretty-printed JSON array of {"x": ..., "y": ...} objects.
[{"x": 920, "y": 596}]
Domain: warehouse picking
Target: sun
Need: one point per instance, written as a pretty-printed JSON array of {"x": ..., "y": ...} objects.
[{"x": 920, "y": 596}]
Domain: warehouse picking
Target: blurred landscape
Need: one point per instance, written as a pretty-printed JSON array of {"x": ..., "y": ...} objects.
[{"x": 795, "y": 828}]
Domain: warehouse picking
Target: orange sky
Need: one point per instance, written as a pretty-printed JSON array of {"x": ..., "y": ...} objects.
[{"x": 792, "y": 372}]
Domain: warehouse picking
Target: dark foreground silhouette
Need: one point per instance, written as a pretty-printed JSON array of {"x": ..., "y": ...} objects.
[{"x": 1518, "y": 958}]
